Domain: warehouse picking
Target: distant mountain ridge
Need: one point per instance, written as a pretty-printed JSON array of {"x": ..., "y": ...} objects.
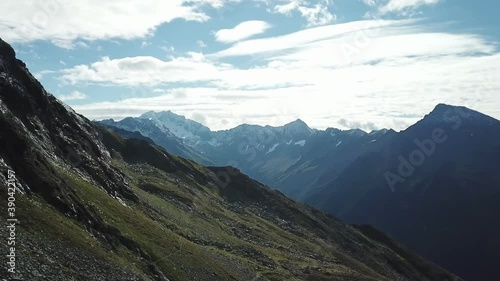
[
  {"x": 289, "y": 157},
  {"x": 160, "y": 134},
  {"x": 396, "y": 181},
  {"x": 178, "y": 125}
]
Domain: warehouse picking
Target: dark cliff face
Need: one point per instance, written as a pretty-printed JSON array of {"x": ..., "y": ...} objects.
[
  {"x": 95, "y": 206},
  {"x": 37, "y": 129}
]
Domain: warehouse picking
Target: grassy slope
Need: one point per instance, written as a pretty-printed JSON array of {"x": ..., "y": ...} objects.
[
  {"x": 143, "y": 214},
  {"x": 191, "y": 229}
]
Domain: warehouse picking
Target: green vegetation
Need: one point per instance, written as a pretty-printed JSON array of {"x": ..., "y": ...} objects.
[
  {"x": 94, "y": 206},
  {"x": 187, "y": 229}
]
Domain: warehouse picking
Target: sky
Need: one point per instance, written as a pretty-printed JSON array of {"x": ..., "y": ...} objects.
[{"x": 366, "y": 64}]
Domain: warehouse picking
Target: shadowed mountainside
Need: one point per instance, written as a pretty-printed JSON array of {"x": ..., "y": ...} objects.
[{"x": 96, "y": 206}]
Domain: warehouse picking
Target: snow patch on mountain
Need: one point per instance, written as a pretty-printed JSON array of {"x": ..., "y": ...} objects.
[
  {"x": 178, "y": 125},
  {"x": 273, "y": 148},
  {"x": 301, "y": 143},
  {"x": 214, "y": 142}
]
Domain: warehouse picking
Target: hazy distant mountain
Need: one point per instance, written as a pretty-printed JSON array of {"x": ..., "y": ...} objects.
[
  {"x": 160, "y": 134},
  {"x": 293, "y": 158},
  {"x": 179, "y": 126},
  {"x": 435, "y": 187},
  {"x": 261, "y": 152}
]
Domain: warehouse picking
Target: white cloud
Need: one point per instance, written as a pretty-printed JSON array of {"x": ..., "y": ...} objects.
[
  {"x": 242, "y": 31},
  {"x": 334, "y": 36},
  {"x": 364, "y": 94},
  {"x": 145, "y": 70},
  {"x": 69, "y": 44},
  {"x": 167, "y": 49},
  {"x": 315, "y": 14},
  {"x": 401, "y": 5},
  {"x": 75, "y": 95},
  {"x": 367, "y": 72},
  {"x": 40, "y": 74},
  {"x": 371, "y": 3},
  {"x": 201, "y": 44},
  {"x": 63, "y": 21}
]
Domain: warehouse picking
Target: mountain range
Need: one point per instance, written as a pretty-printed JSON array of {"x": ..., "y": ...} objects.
[
  {"x": 93, "y": 205},
  {"x": 433, "y": 186},
  {"x": 293, "y": 158}
]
